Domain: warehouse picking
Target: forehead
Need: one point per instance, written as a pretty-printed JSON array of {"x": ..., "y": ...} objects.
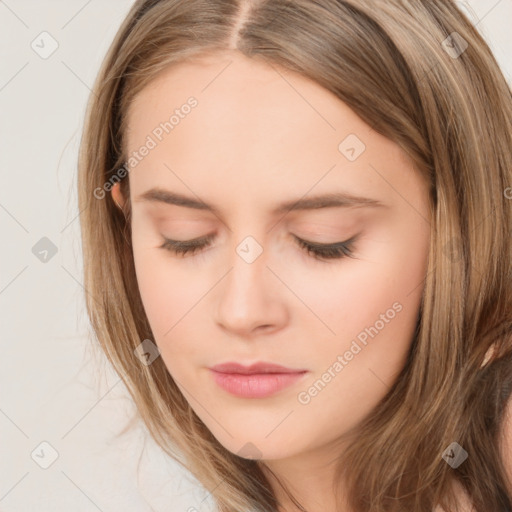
[{"x": 257, "y": 128}]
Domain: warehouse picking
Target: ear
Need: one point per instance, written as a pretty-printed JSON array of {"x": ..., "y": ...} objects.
[{"x": 116, "y": 194}]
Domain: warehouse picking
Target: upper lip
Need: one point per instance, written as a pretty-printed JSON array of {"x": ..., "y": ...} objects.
[{"x": 260, "y": 367}]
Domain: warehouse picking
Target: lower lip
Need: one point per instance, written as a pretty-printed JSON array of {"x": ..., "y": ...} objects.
[{"x": 257, "y": 385}]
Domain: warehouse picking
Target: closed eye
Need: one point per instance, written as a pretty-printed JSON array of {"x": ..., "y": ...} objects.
[
  {"x": 318, "y": 251},
  {"x": 328, "y": 251}
]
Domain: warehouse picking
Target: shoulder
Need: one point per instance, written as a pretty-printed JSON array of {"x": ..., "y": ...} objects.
[{"x": 462, "y": 499}]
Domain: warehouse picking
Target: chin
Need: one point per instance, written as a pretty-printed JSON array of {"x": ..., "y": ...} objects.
[{"x": 256, "y": 447}]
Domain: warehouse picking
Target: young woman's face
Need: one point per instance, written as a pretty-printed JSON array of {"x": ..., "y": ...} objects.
[{"x": 253, "y": 138}]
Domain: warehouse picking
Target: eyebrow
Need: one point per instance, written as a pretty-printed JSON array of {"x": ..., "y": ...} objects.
[{"x": 330, "y": 200}]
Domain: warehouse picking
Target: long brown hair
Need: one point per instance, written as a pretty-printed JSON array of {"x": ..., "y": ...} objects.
[{"x": 419, "y": 73}]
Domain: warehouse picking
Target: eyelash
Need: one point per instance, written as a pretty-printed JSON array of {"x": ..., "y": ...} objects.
[{"x": 321, "y": 252}]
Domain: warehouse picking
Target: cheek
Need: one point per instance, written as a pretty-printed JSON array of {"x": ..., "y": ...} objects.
[
  {"x": 170, "y": 298},
  {"x": 175, "y": 295},
  {"x": 166, "y": 292},
  {"x": 369, "y": 309},
  {"x": 373, "y": 310}
]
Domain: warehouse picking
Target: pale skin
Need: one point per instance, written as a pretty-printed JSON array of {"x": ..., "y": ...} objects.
[{"x": 252, "y": 142}]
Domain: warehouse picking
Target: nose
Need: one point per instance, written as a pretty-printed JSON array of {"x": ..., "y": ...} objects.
[{"x": 250, "y": 298}]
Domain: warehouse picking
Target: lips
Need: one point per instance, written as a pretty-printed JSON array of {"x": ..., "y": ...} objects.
[
  {"x": 258, "y": 380},
  {"x": 256, "y": 368}
]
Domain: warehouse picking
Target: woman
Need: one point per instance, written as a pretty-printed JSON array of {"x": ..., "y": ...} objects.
[{"x": 303, "y": 269}]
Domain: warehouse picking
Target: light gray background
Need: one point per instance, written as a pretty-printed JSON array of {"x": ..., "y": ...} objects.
[{"x": 53, "y": 387}]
